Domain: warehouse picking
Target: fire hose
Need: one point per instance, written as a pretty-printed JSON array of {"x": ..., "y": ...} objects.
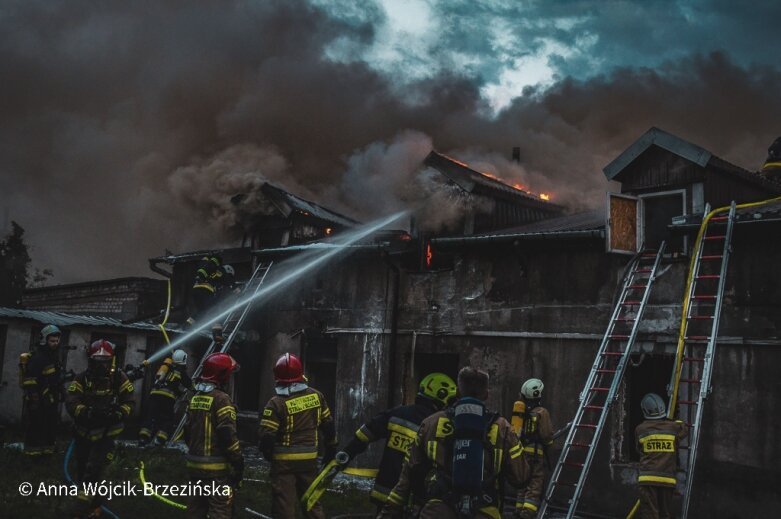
[
  {"x": 69, "y": 479},
  {"x": 164, "y": 499}
]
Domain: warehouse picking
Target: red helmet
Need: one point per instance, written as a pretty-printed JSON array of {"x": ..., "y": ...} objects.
[
  {"x": 289, "y": 369},
  {"x": 217, "y": 368},
  {"x": 101, "y": 350}
]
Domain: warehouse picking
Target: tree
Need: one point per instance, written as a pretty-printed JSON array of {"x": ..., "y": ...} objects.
[{"x": 14, "y": 267}]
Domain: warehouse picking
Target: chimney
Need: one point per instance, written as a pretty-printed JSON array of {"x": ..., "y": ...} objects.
[{"x": 517, "y": 154}]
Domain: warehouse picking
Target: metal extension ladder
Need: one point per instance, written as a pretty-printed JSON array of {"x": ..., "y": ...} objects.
[
  {"x": 602, "y": 384},
  {"x": 231, "y": 326},
  {"x": 691, "y": 379}
]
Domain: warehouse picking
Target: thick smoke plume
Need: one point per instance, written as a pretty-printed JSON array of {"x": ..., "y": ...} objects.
[{"x": 127, "y": 127}]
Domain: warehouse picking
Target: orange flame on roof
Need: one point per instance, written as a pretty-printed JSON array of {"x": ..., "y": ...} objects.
[{"x": 544, "y": 196}]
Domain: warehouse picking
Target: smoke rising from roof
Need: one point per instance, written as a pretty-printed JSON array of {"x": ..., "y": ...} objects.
[{"x": 127, "y": 127}]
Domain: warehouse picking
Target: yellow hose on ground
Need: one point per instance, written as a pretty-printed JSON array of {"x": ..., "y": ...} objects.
[{"x": 158, "y": 496}]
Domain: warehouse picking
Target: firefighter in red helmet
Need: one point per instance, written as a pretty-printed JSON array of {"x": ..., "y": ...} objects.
[
  {"x": 214, "y": 453},
  {"x": 99, "y": 400},
  {"x": 289, "y": 425}
]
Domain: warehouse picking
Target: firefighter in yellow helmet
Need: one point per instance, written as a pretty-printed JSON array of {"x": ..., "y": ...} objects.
[
  {"x": 213, "y": 450},
  {"x": 462, "y": 454},
  {"x": 397, "y": 428},
  {"x": 291, "y": 425},
  {"x": 41, "y": 383},
  {"x": 536, "y": 434},
  {"x": 657, "y": 442}
]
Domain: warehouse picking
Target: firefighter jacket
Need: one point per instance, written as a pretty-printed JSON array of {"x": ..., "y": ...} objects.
[
  {"x": 657, "y": 443},
  {"x": 289, "y": 426},
  {"x": 41, "y": 379},
  {"x": 431, "y": 454},
  {"x": 398, "y": 427},
  {"x": 171, "y": 382},
  {"x": 100, "y": 405},
  {"x": 210, "y": 433},
  {"x": 207, "y": 273},
  {"x": 537, "y": 432}
]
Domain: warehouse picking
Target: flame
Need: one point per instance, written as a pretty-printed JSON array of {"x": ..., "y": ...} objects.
[
  {"x": 429, "y": 255},
  {"x": 328, "y": 231},
  {"x": 519, "y": 187},
  {"x": 544, "y": 196}
]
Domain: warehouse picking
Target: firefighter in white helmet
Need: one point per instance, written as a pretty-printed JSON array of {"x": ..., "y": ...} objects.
[
  {"x": 657, "y": 442},
  {"x": 171, "y": 382},
  {"x": 536, "y": 433}
]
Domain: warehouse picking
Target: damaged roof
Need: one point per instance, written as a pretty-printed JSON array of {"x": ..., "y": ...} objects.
[
  {"x": 288, "y": 203},
  {"x": 63, "y": 319},
  {"x": 586, "y": 225},
  {"x": 468, "y": 179}
]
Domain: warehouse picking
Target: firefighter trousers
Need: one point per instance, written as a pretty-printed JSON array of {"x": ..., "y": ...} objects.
[
  {"x": 287, "y": 487},
  {"x": 92, "y": 458},
  {"x": 40, "y": 429},
  {"x": 438, "y": 509},
  {"x": 528, "y": 501},
  {"x": 655, "y": 502},
  {"x": 159, "y": 420},
  {"x": 211, "y": 506}
]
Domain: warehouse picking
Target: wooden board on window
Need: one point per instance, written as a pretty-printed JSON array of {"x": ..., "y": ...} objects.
[{"x": 622, "y": 223}]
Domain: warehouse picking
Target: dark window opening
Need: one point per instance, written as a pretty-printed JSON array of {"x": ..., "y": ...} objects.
[
  {"x": 426, "y": 363},
  {"x": 658, "y": 212},
  {"x": 320, "y": 359},
  {"x": 650, "y": 375}
]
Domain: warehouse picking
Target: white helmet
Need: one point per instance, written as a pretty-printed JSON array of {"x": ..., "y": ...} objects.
[
  {"x": 532, "y": 388},
  {"x": 228, "y": 269},
  {"x": 653, "y": 406},
  {"x": 180, "y": 358}
]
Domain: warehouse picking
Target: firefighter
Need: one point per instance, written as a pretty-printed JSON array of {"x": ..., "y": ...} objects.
[
  {"x": 463, "y": 454},
  {"x": 289, "y": 425},
  {"x": 41, "y": 383},
  {"x": 99, "y": 400},
  {"x": 207, "y": 277},
  {"x": 214, "y": 454},
  {"x": 398, "y": 427},
  {"x": 657, "y": 442},
  {"x": 171, "y": 382},
  {"x": 536, "y": 436}
]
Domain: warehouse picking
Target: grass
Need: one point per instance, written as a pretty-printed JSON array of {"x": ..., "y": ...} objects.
[{"x": 162, "y": 466}]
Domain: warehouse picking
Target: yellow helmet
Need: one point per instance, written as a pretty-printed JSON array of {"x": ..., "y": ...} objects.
[{"x": 438, "y": 387}]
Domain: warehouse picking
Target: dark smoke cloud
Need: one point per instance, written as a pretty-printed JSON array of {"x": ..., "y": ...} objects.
[{"x": 126, "y": 127}]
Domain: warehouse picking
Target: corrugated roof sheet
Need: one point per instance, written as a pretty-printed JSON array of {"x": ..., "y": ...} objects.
[
  {"x": 574, "y": 222},
  {"x": 63, "y": 319},
  {"x": 297, "y": 203}
]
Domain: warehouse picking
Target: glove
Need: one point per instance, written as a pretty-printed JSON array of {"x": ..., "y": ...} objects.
[{"x": 328, "y": 453}]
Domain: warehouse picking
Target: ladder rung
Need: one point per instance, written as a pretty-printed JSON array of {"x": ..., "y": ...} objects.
[
  {"x": 606, "y": 371},
  {"x": 648, "y": 255},
  {"x": 710, "y": 257},
  {"x": 693, "y": 359},
  {"x": 691, "y": 381},
  {"x": 636, "y": 287},
  {"x": 708, "y": 276},
  {"x": 630, "y": 303},
  {"x": 587, "y": 425},
  {"x": 599, "y": 389},
  {"x": 643, "y": 271},
  {"x": 566, "y": 484},
  {"x": 625, "y": 318},
  {"x": 595, "y": 407},
  {"x": 705, "y": 296},
  {"x": 617, "y": 336},
  {"x": 612, "y": 353},
  {"x": 701, "y": 317},
  {"x": 719, "y": 219},
  {"x": 573, "y": 464},
  {"x": 583, "y": 445},
  {"x": 697, "y": 338},
  {"x": 686, "y": 402},
  {"x": 715, "y": 237}
]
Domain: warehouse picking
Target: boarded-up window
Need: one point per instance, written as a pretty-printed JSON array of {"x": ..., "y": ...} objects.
[{"x": 622, "y": 224}]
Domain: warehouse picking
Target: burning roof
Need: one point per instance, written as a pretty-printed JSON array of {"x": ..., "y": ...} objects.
[{"x": 288, "y": 204}]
